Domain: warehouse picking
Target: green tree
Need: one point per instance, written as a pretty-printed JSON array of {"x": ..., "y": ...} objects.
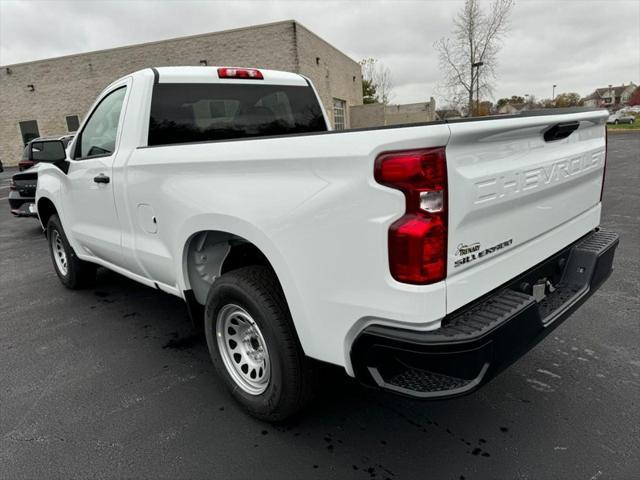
[
  {"x": 547, "y": 103},
  {"x": 514, "y": 99},
  {"x": 369, "y": 94},
  {"x": 502, "y": 102},
  {"x": 570, "y": 99},
  {"x": 378, "y": 78}
]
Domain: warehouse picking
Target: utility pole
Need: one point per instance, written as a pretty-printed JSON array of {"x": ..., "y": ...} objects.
[
  {"x": 477, "y": 66},
  {"x": 553, "y": 96}
]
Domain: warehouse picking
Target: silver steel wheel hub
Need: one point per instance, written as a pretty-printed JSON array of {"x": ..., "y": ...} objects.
[
  {"x": 59, "y": 253},
  {"x": 243, "y": 349}
]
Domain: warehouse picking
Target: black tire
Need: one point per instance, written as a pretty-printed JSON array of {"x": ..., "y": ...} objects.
[
  {"x": 616, "y": 122},
  {"x": 292, "y": 377},
  {"x": 79, "y": 274}
]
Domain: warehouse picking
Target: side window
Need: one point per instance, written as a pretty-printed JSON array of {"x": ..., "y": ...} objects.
[{"x": 98, "y": 138}]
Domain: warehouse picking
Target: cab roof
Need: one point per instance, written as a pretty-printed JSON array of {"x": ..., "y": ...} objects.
[{"x": 209, "y": 74}]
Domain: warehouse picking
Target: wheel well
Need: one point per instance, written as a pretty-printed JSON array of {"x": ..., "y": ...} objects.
[
  {"x": 243, "y": 255},
  {"x": 45, "y": 210},
  {"x": 210, "y": 254}
]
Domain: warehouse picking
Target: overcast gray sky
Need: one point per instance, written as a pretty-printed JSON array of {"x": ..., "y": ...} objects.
[{"x": 576, "y": 44}]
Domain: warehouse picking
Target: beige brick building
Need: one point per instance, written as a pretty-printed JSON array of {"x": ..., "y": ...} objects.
[
  {"x": 51, "y": 93},
  {"x": 377, "y": 114}
]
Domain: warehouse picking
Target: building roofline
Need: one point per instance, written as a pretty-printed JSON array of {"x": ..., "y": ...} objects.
[
  {"x": 155, "y": 42},
  {"x": 322, "y": 40},
  {"x": 615, "y": 87}
]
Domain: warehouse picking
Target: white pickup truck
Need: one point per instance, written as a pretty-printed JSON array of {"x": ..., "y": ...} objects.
[{"x": 423, "y": 259}]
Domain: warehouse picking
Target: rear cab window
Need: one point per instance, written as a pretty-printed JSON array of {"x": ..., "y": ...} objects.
[{"x": 183, "y": 113}]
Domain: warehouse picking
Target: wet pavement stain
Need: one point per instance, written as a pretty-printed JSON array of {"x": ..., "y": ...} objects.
[
  {"x": 434, "y": 424},
  {"x": 184, "y": 343}
]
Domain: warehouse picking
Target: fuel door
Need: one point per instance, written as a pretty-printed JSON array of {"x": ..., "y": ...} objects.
[{"x": 147, "y": 218}]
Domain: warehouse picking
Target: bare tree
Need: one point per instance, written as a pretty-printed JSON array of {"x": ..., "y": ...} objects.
[
  {"x": 379, "y": 78},
  {"x": 469, "y": 59}
]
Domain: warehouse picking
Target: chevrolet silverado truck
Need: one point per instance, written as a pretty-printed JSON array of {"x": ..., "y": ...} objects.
[{"x": 423, "y": 259}]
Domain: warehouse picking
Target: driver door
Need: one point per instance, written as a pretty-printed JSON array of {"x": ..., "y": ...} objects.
[{"x": 90, "y": 204}]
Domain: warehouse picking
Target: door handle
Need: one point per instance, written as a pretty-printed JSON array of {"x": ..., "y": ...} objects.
[
  {"x": 560, "y": 131},
  {"x": 102, "y": 178}
]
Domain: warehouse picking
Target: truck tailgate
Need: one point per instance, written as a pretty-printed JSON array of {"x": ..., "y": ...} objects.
[{"x": 516, "y": 197}]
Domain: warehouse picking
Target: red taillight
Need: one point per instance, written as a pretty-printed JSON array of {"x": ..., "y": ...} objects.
[
  {"x": 244, "y": 73},
  {"x": 604, "y": 168},
  {"x": 418, "y": 240}
]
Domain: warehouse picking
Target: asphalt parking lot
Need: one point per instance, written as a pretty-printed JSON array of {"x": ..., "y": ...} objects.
[{"x": 112, "y": 383}]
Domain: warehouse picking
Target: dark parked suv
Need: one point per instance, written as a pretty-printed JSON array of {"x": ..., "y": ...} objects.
[
  {"x": 40, "y": 150},
  {"x": 22, "y": 189}
]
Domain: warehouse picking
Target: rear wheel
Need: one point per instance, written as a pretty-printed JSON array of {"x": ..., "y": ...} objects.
[
  {"x": 616, "y": 122},
  {"x": 254, "y": 346},
  {"x": 72, "y": 272}
]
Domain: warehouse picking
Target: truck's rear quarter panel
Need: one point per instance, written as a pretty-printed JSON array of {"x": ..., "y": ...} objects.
[{"x": 311, "y": 204}]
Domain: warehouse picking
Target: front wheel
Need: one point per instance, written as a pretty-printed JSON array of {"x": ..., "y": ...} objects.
[
  {"x": 254, "y": 346},
  {"x": 72, "y": 272}
]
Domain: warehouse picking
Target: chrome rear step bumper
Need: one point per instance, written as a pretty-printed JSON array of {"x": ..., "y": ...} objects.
[{"x": 480, "y": 340}]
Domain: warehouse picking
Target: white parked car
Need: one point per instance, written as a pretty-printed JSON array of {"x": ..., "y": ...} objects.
[
  {"x": 621, "y": 117},
  {"x": 423, "y": 259}
]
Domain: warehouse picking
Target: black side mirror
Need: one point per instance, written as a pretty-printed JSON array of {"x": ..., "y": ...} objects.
[{"x": 50, "y": 151}]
